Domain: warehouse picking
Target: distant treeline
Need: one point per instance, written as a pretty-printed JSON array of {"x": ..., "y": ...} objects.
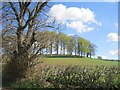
[
  {"x": 62, "y": 44},
  {"x": 51, "y": 42}
]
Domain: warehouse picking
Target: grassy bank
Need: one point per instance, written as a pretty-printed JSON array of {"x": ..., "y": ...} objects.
[{"x": 78, "y": 61}]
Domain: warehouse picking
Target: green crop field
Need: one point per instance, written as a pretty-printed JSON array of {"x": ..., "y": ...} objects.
[{"x": 77, "y": 61}]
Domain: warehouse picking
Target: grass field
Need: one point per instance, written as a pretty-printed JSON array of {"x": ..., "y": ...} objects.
[{"x": 77, "y": 61}]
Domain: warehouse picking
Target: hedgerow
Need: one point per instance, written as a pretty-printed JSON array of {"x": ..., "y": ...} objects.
[
  {"x": 82, "y": 77},
  {"x": 71, "y": 77}
]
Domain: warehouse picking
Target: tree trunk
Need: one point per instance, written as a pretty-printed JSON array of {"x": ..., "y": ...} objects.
[
  {"x": 78, "y": 49},
  {"x": 61, "y": 47},
  {"x": 46, "y": 51},
  {"x": 64, "y": 49},
  {"x": 51, "y": 49},
  {"x": 57, "y": 48},
  {"x": 75, "y": 51},
  {"x": 87, "y": 54},
  {"x": 16, "y": 69},
  {"x": 90, "y": 55},
  {"x": 81, "y": 54}
]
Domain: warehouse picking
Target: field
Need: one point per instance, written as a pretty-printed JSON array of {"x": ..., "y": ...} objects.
[{"x": 77, "y": 61}]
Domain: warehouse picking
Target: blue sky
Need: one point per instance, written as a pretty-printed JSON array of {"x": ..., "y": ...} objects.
[{"x": 104, "y": 34}]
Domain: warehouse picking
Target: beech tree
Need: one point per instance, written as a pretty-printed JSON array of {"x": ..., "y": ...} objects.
[
  {"x": 62, "y": 42},
  {"x": 70, "y": 45},
  {"x": 57, "y": 41},
  {"x": 92, "y": 48}
]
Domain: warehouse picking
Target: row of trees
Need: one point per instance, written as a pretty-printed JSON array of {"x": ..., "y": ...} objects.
[
  {"x": 54, "y": 43},
  {"x": 60, "y": 43}
]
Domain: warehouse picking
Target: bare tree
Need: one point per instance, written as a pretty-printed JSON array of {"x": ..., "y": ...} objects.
[{"x": 24, "y": 20}]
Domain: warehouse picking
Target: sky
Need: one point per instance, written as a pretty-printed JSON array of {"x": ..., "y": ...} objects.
[{"x": 95, "y": 21}]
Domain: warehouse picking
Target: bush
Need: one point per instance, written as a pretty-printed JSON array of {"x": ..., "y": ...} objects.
[
  {"x": 63, "y": 56},
  {"x": 33, "y": 83},
  {"x": 82, "y": 77},
  {"x": 71, "y": 77},
  {"x": 99, "y": 57}
]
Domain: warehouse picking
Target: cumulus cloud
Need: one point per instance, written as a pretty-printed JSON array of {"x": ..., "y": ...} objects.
[
  {"x": 58, "y": 12},
  {"x": 79, "y": 26},
  {"x": 61, "y": 13},
  {"x": 113, "y": 37},
  {"x": 74, "y": 17},
  {"x": 114, "y": 52}
]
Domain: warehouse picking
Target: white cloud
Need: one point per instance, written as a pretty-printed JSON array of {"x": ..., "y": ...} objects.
[
  {"x": 113, "y": 37},
  {"x": 74, "y": 17},
  {"x": 114, "y": 52},
  {"x": 61, "y": 13},
  {"x": 58, "y": 12},
  {"x": 79, "y": 26}
]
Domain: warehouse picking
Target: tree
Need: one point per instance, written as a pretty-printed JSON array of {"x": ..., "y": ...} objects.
[
  {"x": 92, "y": 48},
  {"x": 70, "y": 45},
  {"x": 57, "y": 41},
  {"x": 75, "y": 37},
  {"x": 62, "y": 40},
  {"x": 80, "y": 46},
  {"x": 23, "y": 19},
  {"x": 99, "y": 57},
  {"x": 52, "y": 37},
  {"x": 9, "y": 44},
  {"x": 43, "y": 38},
  {"x": 83, "y": 46}
]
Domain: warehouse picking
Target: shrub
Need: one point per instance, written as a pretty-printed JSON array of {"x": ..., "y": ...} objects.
[
  {"x": 63, "y": 56},
  {"x": 71, "y": 77},
  {"x": 99, "y": 57},
  {"x": 82, "y": 77},
  {"x": 33, "y": 83}
]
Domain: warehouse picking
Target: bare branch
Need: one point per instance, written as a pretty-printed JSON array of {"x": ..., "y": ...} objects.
[{"x": 15, "y": 11}]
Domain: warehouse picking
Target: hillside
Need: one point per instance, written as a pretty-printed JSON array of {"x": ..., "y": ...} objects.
[{"x": 77, "y": 61}]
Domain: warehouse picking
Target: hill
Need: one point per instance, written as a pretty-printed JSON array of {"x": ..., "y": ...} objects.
[{"x": 77, "y": 61}]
